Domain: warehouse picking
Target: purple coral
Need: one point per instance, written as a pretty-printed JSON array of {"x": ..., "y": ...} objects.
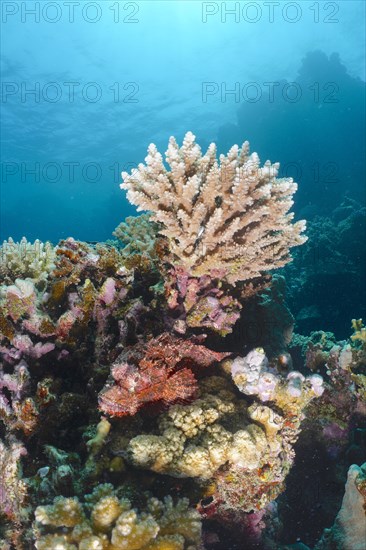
[
  {"x": 200, "y": 302},
  {"x": 253, "y": 376},
  {"x": 20, "y": 298}
]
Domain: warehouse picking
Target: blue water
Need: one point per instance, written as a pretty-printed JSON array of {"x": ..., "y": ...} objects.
[{"x": 87, "y": 87}]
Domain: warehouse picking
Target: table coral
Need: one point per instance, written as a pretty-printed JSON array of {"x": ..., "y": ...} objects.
[
  {"x": 232, "y": 215},
  {"x": 106, "y": 522}
]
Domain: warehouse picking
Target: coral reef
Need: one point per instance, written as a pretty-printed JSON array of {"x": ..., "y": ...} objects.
[
  {"x": 106, "y": 522},
  {"x": 333, "y": 419},
  {"x": 85, "y": 289},
  {"x": 231, "y": 216},
  {"x": 165, "y": 364},
  {"x": 246, "y": 450},
  {"x": 71, "y": 317},
  {"x": 332, "y": 436}
]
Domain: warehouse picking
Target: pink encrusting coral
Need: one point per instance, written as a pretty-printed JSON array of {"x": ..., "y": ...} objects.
[
  {"x": 200, "y": 302},
  {"x": 20, "y": 299},
  {"x": 159, "y": 371},
  {"x": 76, "y": 304},
  {"x": 17, "y": 410}
]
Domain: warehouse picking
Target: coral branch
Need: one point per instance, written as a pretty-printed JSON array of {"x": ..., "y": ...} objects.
[{"x": 229, "y": 214}]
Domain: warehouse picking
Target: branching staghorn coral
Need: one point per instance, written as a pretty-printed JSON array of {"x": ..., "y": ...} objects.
[
  {"x": 25, "y": 259},
  {"x": 106, "y": 522},
  {"x": 231, "y": 215}
]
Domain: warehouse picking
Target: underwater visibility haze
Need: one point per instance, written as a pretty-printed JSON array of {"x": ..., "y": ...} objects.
[{"x": 182, "y": 275}]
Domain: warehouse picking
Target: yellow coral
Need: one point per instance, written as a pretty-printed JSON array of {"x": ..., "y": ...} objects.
[
  {"x": 105, "y": 513},
  {"x": 173, "y": 452},
  {"x": 54, "y": 542},
  {"x": 176, "y": 518},
  {"x": 95, "y": 444},
  {"x": 64, "y": 512},
  {"x": 93, "y": 543},
  {"x": 193, "y": 443},
  {"x": 248, "y": 447},
  {"x": 132, "y": 533},
  {"x": 174, "y": 542},
  {"x": 359, "y": 331},
  {"x": 109, "y": 523},
  {"x": 245, "y": 452}
]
